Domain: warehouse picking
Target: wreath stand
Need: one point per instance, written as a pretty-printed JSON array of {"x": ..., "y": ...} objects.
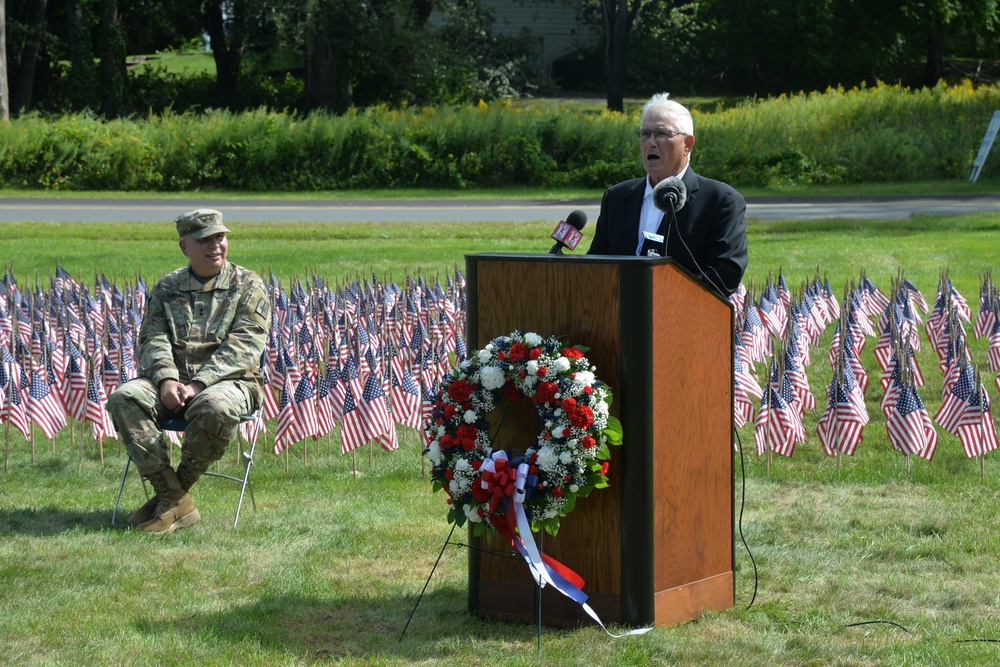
[
  {"x": 658, "y": 547},
  {"x": 448, "y": 541}
]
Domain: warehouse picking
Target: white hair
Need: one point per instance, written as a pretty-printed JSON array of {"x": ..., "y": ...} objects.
[{"x": 675, "y": 111}]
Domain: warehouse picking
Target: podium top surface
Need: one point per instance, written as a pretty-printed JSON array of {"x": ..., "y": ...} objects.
[{"x": 631, "y": 263}]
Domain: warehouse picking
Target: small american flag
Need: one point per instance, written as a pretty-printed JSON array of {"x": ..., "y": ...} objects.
[
  {"x": 43, "y": 408},
  {"x": 96, "y": 414},
  {"x": 909, "y": 426}
]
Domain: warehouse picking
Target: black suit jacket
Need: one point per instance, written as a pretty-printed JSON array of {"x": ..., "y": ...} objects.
[{"x": 709, "y": 237}]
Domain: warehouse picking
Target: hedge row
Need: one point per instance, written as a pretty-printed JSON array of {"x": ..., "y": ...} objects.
[{"x": 879, "y": 134}]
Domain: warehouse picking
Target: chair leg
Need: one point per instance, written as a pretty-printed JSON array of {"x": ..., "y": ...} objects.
[
  {"x": 121, "y": 489},
  {"x": 248, "y": 463}
]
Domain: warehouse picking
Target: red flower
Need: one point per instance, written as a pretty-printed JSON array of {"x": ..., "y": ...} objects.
[
  {"x": 511, "y": 391},
  {"x": 604, "y": 468},
  {"x": 557, "y": 492},
  {"x": 468, "y": 445},
  {"x": 460, "y": 390},
  {"x": 449, "y": 410},
  {"x": 476, "y": 465},
  {"x": 582, "y": 417},
  {"x": 535, "y": 353},
  {"x": 542, "y": 370},
  {"x": 479, "y": 493},
  {"x": 569, "y": 404},
  {"x": 588, "y": 442},
  {"x": 588, "y": 390},
  {"x": 546, "y": 392},
  {"x": 532, "y": 469},
  {"x": 466, "y": 431},
  {"x": 447, "y": 440},
  {"x": 572, "y": 353},
  {"x": 501, "y": 355},
  {"x": 518, "y": 352},
  {"x": 449, "y": 474}
]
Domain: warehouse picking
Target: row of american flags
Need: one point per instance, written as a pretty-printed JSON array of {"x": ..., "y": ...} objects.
[
  {"x": 367, "y": 355},
  {"x": 776, "y": 331}
]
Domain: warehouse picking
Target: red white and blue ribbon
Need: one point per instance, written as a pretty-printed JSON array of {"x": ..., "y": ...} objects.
[{"x": 507, "y": 482}]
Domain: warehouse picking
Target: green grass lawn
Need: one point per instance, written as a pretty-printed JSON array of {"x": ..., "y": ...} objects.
[{"x": 877, "y": 563}]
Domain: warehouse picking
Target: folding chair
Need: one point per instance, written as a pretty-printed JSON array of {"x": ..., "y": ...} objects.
[{"x": 179, "y": 424}]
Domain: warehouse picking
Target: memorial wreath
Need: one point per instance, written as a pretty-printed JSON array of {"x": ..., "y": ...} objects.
[{"x": 568, "y": 458}]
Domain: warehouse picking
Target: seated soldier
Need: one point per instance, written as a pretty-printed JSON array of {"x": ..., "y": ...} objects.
[{"x": 200, "y": 346}]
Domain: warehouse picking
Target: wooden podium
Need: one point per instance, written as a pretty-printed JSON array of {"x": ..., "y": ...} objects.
[{"x": 657, "y": 547}]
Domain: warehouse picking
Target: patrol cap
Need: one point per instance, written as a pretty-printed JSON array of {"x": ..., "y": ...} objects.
[{"x": 201, "y": 223}]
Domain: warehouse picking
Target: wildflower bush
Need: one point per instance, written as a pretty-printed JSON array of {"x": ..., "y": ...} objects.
[{"x": 883, "y": 133}]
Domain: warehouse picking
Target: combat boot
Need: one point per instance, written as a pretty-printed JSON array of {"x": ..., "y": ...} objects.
[
  {"x": 175, "y": 509},
  {"x": 186, "y": 475},
  {"x": 144, "y": 513}
]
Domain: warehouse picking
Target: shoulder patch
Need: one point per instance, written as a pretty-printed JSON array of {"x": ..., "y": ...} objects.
[{"x": 262, "y": 308}]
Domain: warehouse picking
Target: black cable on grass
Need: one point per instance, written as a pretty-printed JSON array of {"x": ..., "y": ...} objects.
[
  {"x": 854, "y": 625},
  {"x": 965, "y": 641},
  {"x": 743, "y": 500}
]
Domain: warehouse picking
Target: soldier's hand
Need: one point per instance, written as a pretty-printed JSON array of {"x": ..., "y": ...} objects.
[{"x": 173, "y": 395}]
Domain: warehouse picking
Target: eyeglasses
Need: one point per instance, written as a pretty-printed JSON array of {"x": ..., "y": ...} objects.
[{"x": 659, "y": 133}]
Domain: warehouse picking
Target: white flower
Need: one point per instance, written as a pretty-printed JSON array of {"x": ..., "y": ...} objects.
[
  {"x": 465, "y": 364},
  {"x": 532, "y": 339},
  {"x": 557, "y": 412},
  {"x": 472, "y": 513},
  {"x": 484, "y": 356},
  {"x": 434, "y": 453},
  {"x": 491, "y": 378},
  {"x": 454, "y": 487},
  {"x": 557, "y": 431},
  {"x": 469, "y": 417},
  {"x": 574, "y": 488},
  {"x": 546, "y": 458},
  {"x": 561, "y": 365},
  {"x": 551, "y": 512},
  {"x": 584, "y": 378},
  {"x": 462, "y": 465},
  {"x": 440, "y": 431},
  {"x": 531, "y": 367},
  {"x": 566, "y": 457}
]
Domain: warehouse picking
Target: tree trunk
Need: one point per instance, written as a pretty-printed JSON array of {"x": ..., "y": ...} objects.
[
  {"x": 4, "y": 91},
  {"x": 328, "y": 84},
  {"x": 617, "y": 40},
  {"x": 618, "y": 20},
  {"x": 113, "y": 71},
  {"x": 934, "y": 69},
  {"x": 24, "y": 88},
  {"x": 227, "y": 50}
]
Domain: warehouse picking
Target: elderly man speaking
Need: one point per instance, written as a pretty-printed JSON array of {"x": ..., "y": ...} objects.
[{"x": 707, "y": 235}]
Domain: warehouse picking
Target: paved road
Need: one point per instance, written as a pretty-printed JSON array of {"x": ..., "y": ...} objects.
[{"x": 260, "y": 210}]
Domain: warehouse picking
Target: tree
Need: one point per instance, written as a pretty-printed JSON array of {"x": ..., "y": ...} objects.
[
  {"x": 931, "y": 22},
  {"x": 29, "y": 28},
  {"x": 4, "y": 91},
  {"x": 226, "y": 24},
  {"x": 112, "y": 57},
  {"x": 619, "y": 16}
]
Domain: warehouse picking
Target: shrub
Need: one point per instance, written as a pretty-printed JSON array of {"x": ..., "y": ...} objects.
[{"x": 883, "y": 133}]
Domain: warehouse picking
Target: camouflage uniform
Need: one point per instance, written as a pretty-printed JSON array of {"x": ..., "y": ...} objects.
[{"x": 213, "y": 333}]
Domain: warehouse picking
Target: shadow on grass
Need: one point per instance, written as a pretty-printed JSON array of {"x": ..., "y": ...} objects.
[
  {"x": 47, "y": 521},
  {"x": 320, "y": 629}
]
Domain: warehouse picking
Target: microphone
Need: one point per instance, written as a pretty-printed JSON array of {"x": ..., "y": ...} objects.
[
  {"x": 567, "y": 233},
  {"x": 669, "y": 196}
]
